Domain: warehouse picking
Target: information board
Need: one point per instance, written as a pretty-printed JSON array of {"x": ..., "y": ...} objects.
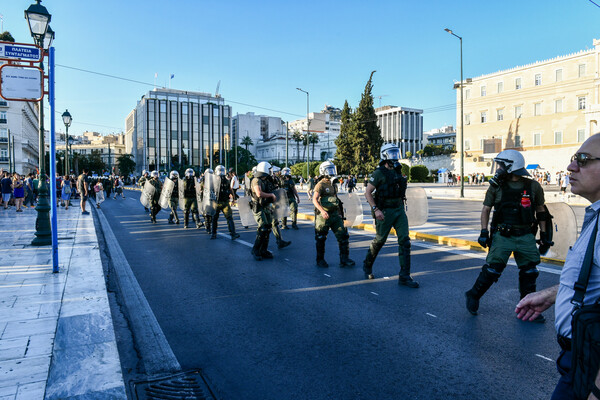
[{"x": 21, "y": 83}]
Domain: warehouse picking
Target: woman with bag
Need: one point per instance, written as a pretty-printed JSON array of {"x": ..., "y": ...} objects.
[
  {"x": 99, "y": 190},
  {"x": 19, "y": 192},
  {"x": 66, "y": 189},
  {"x": 580, "y": 376}
]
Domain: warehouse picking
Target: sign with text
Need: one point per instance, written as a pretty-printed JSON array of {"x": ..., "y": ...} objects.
[
  {"x": 20, "y": 52},
  {"x": 21, "y": 83}
]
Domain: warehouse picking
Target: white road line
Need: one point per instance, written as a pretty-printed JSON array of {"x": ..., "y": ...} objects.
[
  {"x": 544, "y": 358},
  {"x": 375, "y": 293},
  {"x": 329, "y": 276},
  {"x": 386, "y": 277},
  {"x": 247, "y": 244},
  {"x": 431, "y": 315},
  {"x": 286, "y": 259}
]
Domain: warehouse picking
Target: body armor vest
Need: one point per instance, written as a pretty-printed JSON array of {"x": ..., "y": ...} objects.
[
  {"x": 328, "y": 199},
  {"x": 175, "y": 193},
  {"x": 393, "y": 190},
  {"x": 224, "y": 189},
  {"x": 189, "y": 189},
  {"x": 515, "y": 207},
  {"x": 288, "y": 184}
]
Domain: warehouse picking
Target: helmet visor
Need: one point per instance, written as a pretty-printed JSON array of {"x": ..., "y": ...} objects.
[
  {"x": 392, "y": 154},
  {"x": 330, "y": 170}
]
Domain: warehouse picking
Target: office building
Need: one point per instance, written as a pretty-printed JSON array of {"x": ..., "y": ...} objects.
[{"x": 402, "y": 126}]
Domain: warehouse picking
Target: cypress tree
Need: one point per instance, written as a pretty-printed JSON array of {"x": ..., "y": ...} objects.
[{"x": 344, "y": 155}]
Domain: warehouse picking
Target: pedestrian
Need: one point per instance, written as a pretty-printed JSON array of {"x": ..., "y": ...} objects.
[
  {"x": 310, "y": 186},
  {"x": 235, "y": 185},
  {"x": 585, "y": 182},
  {"x": 351, "y": 183},
  {"x": 99, "y": 189},
  {"x": 564, "y": 183},
  {"x": 7, "y": 189},
  {"x": 83, "y": 187},
  {"x": 18, "y": 191},
  {"x": 225, "y": 194},
  {"x": 66, "y": 191},
  {"x": 118, "y": 188},
  {"x": 328, "y": 216},
  {"x": 28, "y": 191},
  {"x": 387, "y": 206},
  {"x": 518, "y": 203}
]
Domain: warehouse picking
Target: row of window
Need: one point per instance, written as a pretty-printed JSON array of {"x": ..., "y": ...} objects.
[
  {"x": 518, "y": 110},
  {"x": 537, "y": 81},
  {"x": 537, "y": 139}
]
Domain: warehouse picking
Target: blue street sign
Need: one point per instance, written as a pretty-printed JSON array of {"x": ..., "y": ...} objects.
[{"x": 20, "y": 52}]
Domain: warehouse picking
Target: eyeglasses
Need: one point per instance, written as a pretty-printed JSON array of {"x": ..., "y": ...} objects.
[{"x": 582, "y": 159}]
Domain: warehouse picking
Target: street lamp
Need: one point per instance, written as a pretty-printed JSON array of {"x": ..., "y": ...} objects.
[
  {"x": 462, "y": 132},
  {"x": 38, "y": 19},
  {"x": 307, "y": 132},
  {"x": 67, "y": 119}
]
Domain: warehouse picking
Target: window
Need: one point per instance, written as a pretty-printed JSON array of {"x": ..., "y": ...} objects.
[
  {"x": 483, "y": 117},
  {"x": 537, "y": 109},
  {"x": 518, "y": 83},
  {"x": 538, "y": 79},
  {"x": 481, "y": 143},
  {"x": 580, "y": 135},
  {"x": 558, "y": 75},
  {"x": 467, "y": 94},
  {"x": 467, "y": 119},
  {"x": 467, "y": 144},
  {"x": 500, "y": 87},
  {"x": 581, "y": 70},
  {"x": 500, "y": 114},
  {"x": 518, "y": 111},
  {"x": 517, "y": 141},
  {"x": 3, "y": 153},
  {"x": 3, "y": 116},
  {"x": 483, "y": 91},
  {"x": 558, "y": 137},
  {"x": 537, "y": 139},
  {"x": 558, "y": 106},
  {"x": 3, "y": 133},
  {"x": 580, "y": 103}
]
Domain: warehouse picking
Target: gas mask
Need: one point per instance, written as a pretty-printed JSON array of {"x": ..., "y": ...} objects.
[{"x": 499, "y": 176}]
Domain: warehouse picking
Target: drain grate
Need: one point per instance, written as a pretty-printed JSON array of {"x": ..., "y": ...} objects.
[{"x": 188, "y": 385}]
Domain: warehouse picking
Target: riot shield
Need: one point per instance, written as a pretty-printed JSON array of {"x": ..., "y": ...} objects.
[
  {"x": 199, "y": 197},
  {"x": 353, "y": 209},
  {"x": 147, "y": 194},
  {"x": 210, "y": 194},
  {"x": 417, "y": 207},
  {"x": 281, "y": 204},
  {"x": 245, "y": 211},
  {"x": 181, "y": 188},
  {"x": 564, "y": 226},
  {"x": 165, "y": 194}
]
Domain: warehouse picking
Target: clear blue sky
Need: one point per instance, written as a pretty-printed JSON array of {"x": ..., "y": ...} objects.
[{"x": 262, "y": 50}]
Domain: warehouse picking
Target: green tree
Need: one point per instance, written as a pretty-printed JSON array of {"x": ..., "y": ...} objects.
[
  {"x": 344, "y": 153},
  {"x": 126, "y": 164},
  {"x": 297, "y": 137},
  {"x": 314, "y": 139},
  {"x": 419, "y": 173},
  {"x": 246, "y": 159},
  {"x": 6, "y": 37},
  {"x": 95, "y": 162},
  {"x": 246, "y": 141},
  {"x": 408, "y": 154}
]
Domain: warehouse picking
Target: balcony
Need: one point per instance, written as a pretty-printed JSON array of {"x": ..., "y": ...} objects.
[
  {"x": 3, "y": 103},
  {"x": 3, "y": 140},
  {"x": 3, "y": 159},
  {"x": 3, "y": 121}
]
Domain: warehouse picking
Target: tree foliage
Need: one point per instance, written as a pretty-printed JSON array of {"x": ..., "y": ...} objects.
[
  {"x": 126, "y": 164},
  {"x": 300, "y": 169},
  {"x": 419, "y": 173},
  {"x": 343, "y": 155},
  {"x": 6, "y": 37}
]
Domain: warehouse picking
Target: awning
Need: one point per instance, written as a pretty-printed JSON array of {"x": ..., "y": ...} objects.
[
  {"x": 442, "y": 170},
  {"x": 533, "y": 166}
]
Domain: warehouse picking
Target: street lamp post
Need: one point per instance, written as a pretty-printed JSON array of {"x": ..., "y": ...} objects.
[
  {"x": 38, "y": 19},
  {"x": 67, "y": 119},
  {"x": 307, "y": 132},
  {"x": 462, "y": 132},
  {"x": 287, "y": 131}
]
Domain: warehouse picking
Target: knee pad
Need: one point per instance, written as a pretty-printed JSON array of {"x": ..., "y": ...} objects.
[
  {"x": 493, "y": 271},
  {"x": 406, "y": 244},
  {"x": 319, "y": 236},
  {"x": 530, "y": 271}
]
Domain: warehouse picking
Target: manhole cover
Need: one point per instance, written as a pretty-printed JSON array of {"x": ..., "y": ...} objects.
[{"x": 187, "y": 385}]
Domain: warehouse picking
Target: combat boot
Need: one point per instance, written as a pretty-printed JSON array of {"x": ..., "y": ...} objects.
[
  {"x": 231, "y": 226},
  {"x": 186, "y": 219},
  {"x": 320, "y": 244},
  {"x": 264, "y": 252},
  {"x": 368, "y": 270},
  {"x": 487, "y": 277},
  {"x": 171, "y": 219},
  {"x": 284, "y": 223},
  {"x": 256, "y": 248},
  {"x": 283, "y": 243},
  {"x": 345, "y": 260},
  {"x": 294, "y": 225}
]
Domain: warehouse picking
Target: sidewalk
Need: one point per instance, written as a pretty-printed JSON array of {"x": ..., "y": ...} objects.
[{"x": 57, "y": 339}]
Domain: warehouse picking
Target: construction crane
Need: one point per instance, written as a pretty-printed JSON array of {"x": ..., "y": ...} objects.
[
  {"x": 217, "y": 91},
  {"x": 379, "y": 97}
]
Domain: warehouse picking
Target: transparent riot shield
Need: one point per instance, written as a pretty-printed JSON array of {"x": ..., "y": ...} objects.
[
  {"x": 181, "y": 188},
  {"x": 245, "y": 211},
  {"x": 417, "y": 207},
  {"x": 199, "y": 196},
  {"x": 210, "y": 194},
  {"x": 165, "y": 194},
  {"x": 353, "y": 209},
  {"x": 281, "y": 204},
  {"x": 147, "y": 193},
  {"x": 564, "y": 228}
]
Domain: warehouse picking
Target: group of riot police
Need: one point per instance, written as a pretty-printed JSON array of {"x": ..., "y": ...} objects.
[{"x": 518, "y": 204}]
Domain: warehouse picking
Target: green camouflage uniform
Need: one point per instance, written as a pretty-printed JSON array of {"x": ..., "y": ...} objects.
[
  {"x": 224, "y": 207},
  {"x": 154, "y": 206},
  {"x": 174, "y": 202},
  {"x": 190, "y": 203},
  {"x": 287, "y": 183}
]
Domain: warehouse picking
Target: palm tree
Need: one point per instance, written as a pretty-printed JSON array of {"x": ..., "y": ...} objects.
[
  {"x": 247, "y": 141},
  {"x": 314, "y": 138},
  {"x": 297, "y": 137}
]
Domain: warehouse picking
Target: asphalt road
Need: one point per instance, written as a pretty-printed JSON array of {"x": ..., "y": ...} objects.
[{"x": 285, "y": 329}]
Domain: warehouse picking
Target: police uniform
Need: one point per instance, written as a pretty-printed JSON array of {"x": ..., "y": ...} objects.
[
  {"x": 154, "y": 206},
  {"x": 264, "y": 211},
  {"x": 141, "y": 184},
  {"x": 328, "y": 199},
  {"x": 263, "y": 215},
  {"x": 174, "y": 201},
  {"x": 288, "y": 184},
  {"x": 190, "y": 202},
  {"x": 513, "y": 230},
  {"x": 223, "y": 206},
  {"x": 389, "y": 199}
]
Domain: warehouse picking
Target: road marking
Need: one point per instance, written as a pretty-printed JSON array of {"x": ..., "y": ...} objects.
[
  {"x": 375, "y": 293},
  {"x": 545, "y": 358},
  {"x": 431, "y": 315},
  {"x": 247, "y": 244},
  {"x": 329, "y": 276},
  {"x": 286, "y": 259},
  {"x": 386, "y": 277}
]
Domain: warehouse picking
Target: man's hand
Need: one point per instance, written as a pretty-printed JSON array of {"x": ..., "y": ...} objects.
[
  {"x": 379, "y": 215},
  {"x": 325, "y": 214},
  {"x": 484, "y": 238},
  {"x": 544, "y": 244},
  {"x": 534, "y": 304}
]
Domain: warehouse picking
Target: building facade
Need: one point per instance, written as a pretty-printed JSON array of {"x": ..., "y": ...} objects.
[
  {"x": 259, "y": 128},
  {"x": 444, "y": 136},
  {"x": 402, "y": 126},
  {"x": 179, "y": 128},
  {"x": 109, "y": 147},
  {"x": 19, "y": 128},
  {"x": 326, "y": 125},
  {"x": 545, "y": 109}
]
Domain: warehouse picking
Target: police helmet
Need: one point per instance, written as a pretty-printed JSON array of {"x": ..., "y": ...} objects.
[
  {"x": 254, "y": 171},
  {"x": 327, "y": 169},
  {"x": 263, "y": 169},
  {"x": 144, "y": 172},
  {"x": 174, "y": 175},
  {"x": 189, "y": 172},
  {"x": 208, "y": 171},
  {"x": 154, "y": 174},
  {"x": 286, "y": 171},
  {"x": 512, "y": 161},
  {"x": 390, "y": 151},
  {"x": 220, "y": 170}
]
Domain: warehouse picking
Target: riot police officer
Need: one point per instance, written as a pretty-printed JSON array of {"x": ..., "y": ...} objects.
[
  {"x": 387, "y": 206},
  {"x": 190, "y": 201},
  {"x": 287, "y": 183},
  {"x": 222, "y": 205},
  {"x": 154, "y": 206},
  {"x": 174, "y": 200},
  {"x": 518, "y": 204},
  {"x": 207, "y": 217},
  {"x": 142, "y": 182},
  {"x": 328, "y": 216}
]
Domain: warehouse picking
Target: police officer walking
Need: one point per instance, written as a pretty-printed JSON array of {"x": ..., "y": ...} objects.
[
  {"x": 190, "y": 201},
  {"x": 174, "y": 200},
  {"x": 328, "y": 216},
  {"x": 142, "y": 182},
  {"x": 225, "y": 193},
  {"x": 154, "y": 206},
  {"x": 287, "y": 183},
  {"x": 388, "y": 212},
  {"x": 518, "y": 204}
]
